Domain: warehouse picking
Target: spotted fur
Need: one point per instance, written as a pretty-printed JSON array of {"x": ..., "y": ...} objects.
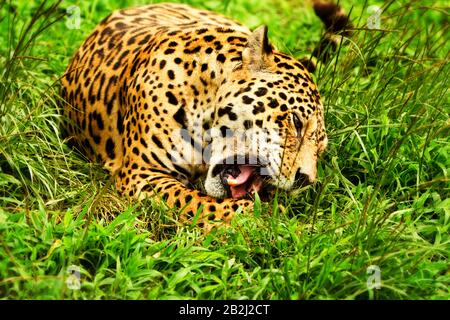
[{"x": 148, "y": 73}]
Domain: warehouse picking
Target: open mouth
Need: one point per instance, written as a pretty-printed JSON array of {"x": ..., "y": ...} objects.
[{"x": 242, "y": 180}]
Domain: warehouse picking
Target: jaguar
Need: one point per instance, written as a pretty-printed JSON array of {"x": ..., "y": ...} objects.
[{"x": 166, "y": 95}]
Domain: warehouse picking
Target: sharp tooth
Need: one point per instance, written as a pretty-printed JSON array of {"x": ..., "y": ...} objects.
[{"x": 231, "y": 182}]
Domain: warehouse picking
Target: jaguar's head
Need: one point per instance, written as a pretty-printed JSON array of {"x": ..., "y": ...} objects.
[{"x": 269, "y": 128}]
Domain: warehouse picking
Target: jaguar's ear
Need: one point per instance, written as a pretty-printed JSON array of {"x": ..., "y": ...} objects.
[{"x": 257, "y": 50}]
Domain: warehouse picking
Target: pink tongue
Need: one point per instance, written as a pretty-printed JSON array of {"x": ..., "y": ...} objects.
[{"x": 239, "y": 188}]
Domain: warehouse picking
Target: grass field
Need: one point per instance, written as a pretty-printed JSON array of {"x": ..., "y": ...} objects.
[{"x": 382, "y": 198}]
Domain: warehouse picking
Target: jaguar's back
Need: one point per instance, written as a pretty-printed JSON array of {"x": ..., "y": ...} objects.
[{"x": 91, "y": 85}]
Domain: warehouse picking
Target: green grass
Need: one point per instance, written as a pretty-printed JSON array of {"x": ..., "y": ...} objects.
[{"x": 382, "y": 197}]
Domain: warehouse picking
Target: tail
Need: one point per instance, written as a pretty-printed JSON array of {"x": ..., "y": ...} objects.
[{"x": 337, "y": 24}]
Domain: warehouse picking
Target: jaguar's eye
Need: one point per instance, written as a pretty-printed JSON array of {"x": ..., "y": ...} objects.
[{"x": 298, "y": 124}]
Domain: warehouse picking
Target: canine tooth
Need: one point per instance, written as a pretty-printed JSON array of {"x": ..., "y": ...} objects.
[{"x": 232, "y": 182}]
